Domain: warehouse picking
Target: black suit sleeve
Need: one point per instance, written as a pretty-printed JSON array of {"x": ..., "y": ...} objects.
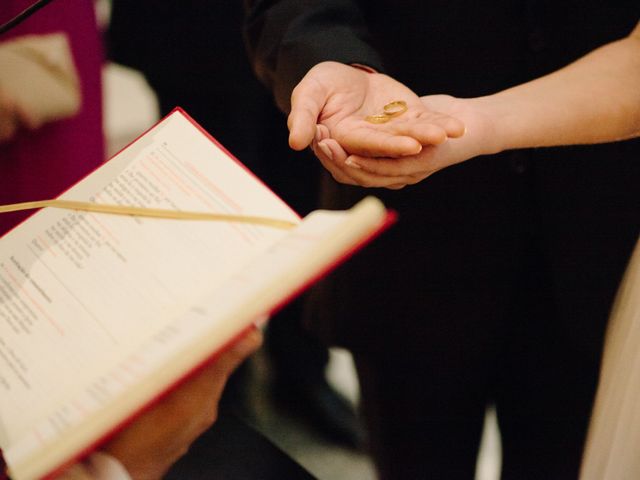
[{"x": 285, "y": 38}]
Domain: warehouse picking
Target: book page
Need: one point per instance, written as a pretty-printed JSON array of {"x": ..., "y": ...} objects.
[
  {"x": 321, "y": 241},
  {"x": 80, "y": 291}
]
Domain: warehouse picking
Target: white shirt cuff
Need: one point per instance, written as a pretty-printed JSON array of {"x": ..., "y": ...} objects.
[
  {"x": 99, "y": 466},
  {"x": 102, "y": 466}
]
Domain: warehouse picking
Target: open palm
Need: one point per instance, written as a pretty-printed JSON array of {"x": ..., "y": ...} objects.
[
  {"x": 340, "y": 97},
  {"x": 396, "y": 172}
]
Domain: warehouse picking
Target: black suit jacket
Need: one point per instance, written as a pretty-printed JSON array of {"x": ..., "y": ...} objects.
[{"x": 449, "y": 273}]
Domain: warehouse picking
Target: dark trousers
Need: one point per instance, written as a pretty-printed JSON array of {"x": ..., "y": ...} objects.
[{"x": 425, "y": 410}]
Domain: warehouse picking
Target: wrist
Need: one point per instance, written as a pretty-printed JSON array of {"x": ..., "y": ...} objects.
[{"x": 497, "y": 122}]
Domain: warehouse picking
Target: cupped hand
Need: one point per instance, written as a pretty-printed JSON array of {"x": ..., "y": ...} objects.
[
  {"x": 340, "y": 97},
  {"x": 159, "y": 437},
  {"x": 397, "y": 172}
]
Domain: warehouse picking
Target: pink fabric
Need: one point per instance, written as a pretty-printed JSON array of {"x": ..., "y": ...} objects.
[{"x": 42, "y": 164}]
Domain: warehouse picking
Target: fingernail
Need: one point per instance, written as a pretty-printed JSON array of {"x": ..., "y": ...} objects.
[
  {"x": 326, "y": 150},
  {"x": 261, "y": 322},
  {"x": 352, "y": 164},
  {"x": 318, "y": 134}
]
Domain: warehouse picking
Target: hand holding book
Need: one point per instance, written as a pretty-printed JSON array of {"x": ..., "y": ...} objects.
[
  {"x": 123, "y": 308},
  {"x": 155, "y": 441}
]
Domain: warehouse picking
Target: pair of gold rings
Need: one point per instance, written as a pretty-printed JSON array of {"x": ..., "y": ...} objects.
[{"x": 389, "y": 111}]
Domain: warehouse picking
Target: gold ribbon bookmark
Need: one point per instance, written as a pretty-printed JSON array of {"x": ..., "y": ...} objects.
[{"x": 147, "y": 212}]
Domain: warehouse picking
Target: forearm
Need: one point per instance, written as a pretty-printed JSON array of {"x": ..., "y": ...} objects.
[{"x": 595, "y": 99}]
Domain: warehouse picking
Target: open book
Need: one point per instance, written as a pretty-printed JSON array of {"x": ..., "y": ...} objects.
[{"x": 101, "y": 314}]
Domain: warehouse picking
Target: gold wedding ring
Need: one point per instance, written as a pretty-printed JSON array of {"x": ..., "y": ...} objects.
[
  {"x": 396, "y": 108},
  {"x": 380, "y": 118},
  {"x": 389, "y": 111}
]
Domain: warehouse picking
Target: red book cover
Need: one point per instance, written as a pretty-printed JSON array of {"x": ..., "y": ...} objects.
[{"x": 387, "y": 218}]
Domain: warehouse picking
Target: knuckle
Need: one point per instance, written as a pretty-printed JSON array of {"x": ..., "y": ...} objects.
[{"x": 208, "y": 418}]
